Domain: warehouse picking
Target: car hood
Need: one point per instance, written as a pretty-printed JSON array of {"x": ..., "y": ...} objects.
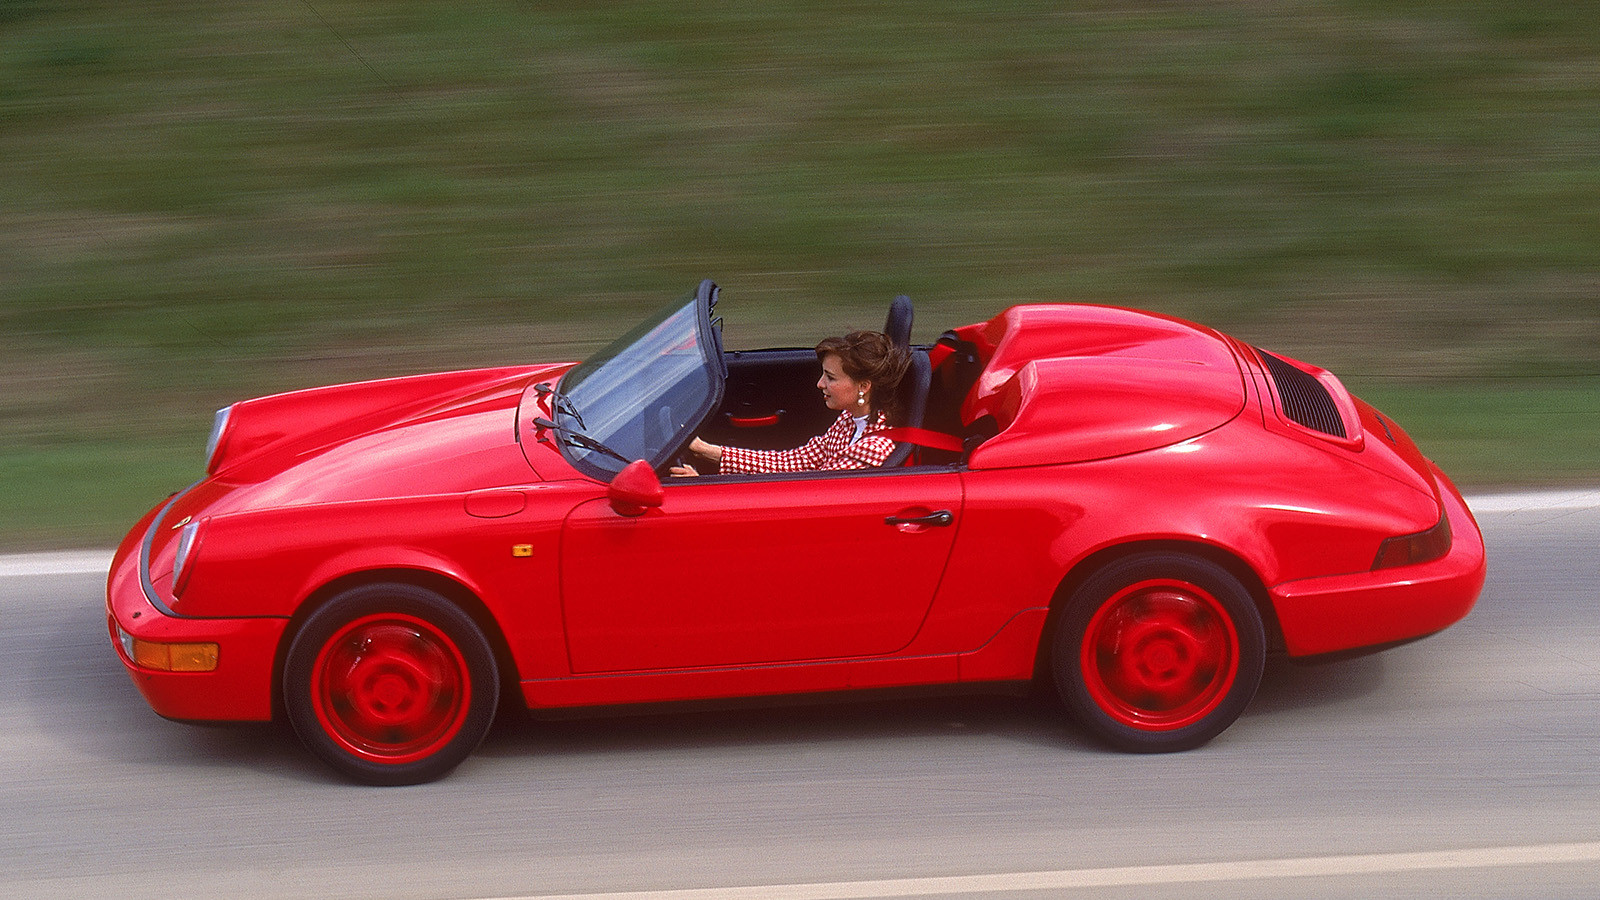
[{"x": 420, "y": 435}]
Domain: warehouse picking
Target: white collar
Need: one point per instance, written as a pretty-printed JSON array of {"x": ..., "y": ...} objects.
[{"x": 861, "y": 426}]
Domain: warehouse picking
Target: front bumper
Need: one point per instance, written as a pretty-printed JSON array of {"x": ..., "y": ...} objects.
[
  {"x": 1371, "y": 609},
  {"x": 238, "y": 689}
]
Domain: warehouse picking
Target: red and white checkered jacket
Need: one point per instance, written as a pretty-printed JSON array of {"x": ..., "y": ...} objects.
[{"x": 830, "y": 450}]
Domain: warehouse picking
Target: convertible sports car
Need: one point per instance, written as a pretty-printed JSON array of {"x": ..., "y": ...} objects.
[{"x": 1135, "y": 508}]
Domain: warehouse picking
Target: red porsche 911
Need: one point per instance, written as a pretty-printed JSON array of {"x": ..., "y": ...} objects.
[{"x": 1134, "y": 508}]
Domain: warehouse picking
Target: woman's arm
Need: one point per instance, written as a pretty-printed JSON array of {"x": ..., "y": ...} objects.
[
  {"x": 869, "y": 452},
  {"x": 810, "y": 455},
  {"x": 739, "y": 461}
]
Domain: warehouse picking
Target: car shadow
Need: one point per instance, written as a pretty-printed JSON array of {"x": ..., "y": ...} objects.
[
  {"x": 777, "y": 721},
  {"x": 1293, "y": 686}
]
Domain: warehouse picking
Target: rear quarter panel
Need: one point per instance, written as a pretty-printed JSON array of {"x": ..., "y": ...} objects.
[{"x": 1285, "y": 510}]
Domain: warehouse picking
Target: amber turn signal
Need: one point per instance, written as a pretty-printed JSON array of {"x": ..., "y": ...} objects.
[{"x": 170, "y": 657}]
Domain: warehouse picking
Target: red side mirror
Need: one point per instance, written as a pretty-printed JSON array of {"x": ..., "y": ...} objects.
[{"x": 635, "y": 489}]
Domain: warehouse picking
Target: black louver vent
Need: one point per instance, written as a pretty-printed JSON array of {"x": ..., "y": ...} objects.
[{"x": 1304, "y": 398}]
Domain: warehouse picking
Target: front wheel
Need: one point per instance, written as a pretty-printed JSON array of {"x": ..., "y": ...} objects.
[
  {"x": 1159, "y": 652},
  {"x": 391, "y": 684}
]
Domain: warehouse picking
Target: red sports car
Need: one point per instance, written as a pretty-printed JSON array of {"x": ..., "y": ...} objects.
[{"x": 1135, "y": 508}]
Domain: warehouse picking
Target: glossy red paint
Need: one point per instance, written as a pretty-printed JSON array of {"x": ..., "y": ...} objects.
[
  {"x": 240, "y": 689},
  {"x": 1110, "y": 434},
  {"x": 1364, "y": 609},
  {"x": 636, "y": 490},
  {"x": 754, "y": 573}
]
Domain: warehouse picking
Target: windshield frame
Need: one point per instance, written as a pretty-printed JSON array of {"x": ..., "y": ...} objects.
[{"x": 640, "y": 394}]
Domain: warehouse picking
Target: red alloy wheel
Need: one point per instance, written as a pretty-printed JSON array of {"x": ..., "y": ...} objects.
[
  {"x": 391, "y": 688},
  {"x": 1159, "y": 655},
  {"x": 391, "y": 684},
  {"x": 1158, "y": 652}
]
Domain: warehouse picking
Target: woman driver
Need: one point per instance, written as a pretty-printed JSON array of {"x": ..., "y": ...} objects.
[{"x": 860, "y": 372}]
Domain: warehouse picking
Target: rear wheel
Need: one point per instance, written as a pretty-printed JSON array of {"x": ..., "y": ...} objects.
[
  {"x": 391, "y": 684},
  {"x": 1159, "y": 652}
]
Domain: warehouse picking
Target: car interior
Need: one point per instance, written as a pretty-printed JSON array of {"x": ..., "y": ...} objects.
[{"x": 771, "y": 400}]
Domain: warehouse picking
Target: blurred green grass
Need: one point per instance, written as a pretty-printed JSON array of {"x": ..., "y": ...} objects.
[{"x": 210, "y": 201}]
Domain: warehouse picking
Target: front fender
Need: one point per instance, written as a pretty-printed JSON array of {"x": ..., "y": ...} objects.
[
  {"x": 362, "y": 561},
  {"x": 265, "y": 563}
]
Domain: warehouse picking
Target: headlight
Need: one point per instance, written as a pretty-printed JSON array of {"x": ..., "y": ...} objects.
[
  {"x": 219, "y": 427},
  {"x": 180, "y": 563}
]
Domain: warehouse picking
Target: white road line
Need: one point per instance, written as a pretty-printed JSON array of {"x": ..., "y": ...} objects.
[
  {"x": 89, "y": 562},
  {"x": 1129, "y": 876},
  {"x": 1579, "y": 498},
  {"x": 84, "y": 562}
]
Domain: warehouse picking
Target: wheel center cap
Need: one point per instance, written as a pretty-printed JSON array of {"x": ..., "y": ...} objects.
[
  {"x": 1161, "y": 658},
  {"x": 390, "y": 692}
]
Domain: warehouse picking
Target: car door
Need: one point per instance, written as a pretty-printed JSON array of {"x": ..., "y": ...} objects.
[{"x": 739, "y": 571}]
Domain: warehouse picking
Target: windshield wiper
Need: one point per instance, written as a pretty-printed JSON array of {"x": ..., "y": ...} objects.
[
  {"x": 579, "y": 438},
  {"x": 563, "y": 403}
]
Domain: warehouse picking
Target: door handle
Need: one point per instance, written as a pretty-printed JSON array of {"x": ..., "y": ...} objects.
[{"x": 939, "y": 519}]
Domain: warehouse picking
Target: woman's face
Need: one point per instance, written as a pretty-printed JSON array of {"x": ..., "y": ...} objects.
[{"x": 839, "y": 391}]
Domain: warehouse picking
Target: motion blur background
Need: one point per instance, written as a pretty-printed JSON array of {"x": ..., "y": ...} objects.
[{"x": 208, "y": 201}]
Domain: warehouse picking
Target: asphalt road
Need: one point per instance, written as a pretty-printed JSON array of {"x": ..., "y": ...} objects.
[{"x": 1465, "y": 765}]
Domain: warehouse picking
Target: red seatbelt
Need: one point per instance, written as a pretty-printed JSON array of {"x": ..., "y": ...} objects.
[{"x": 922, "y": 437}]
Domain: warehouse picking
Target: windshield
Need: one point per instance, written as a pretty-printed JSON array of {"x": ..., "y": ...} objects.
[{"x": 649, "y": 390}]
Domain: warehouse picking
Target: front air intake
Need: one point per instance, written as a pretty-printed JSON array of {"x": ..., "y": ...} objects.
[{"x": 1303, "y": 398}]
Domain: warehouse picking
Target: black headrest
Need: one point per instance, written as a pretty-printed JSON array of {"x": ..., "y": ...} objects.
[{"x": 898, "y": 325}]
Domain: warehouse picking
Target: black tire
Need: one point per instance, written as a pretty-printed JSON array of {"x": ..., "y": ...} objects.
[
  {"x": 391, "y": 684},
  {"x": 1158, "y": 652}
]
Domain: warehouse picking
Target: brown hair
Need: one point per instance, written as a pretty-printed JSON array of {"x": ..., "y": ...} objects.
[{"x": 871, "y": 356}]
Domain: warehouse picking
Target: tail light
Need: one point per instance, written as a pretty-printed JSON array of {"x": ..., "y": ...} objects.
[{"x": 1411, "y": 549}]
